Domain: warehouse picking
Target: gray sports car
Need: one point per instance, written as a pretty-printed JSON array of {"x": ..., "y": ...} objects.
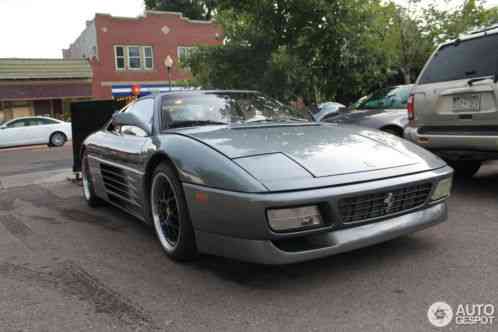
[{"x": 237, "y": 174}]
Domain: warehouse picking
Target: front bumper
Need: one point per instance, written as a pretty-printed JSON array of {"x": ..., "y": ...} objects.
[
  {"x": 323, "y": 244},
  {"x": 235, "y": 225}
]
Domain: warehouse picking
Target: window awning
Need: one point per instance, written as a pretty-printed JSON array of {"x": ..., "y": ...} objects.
[{"x": 124, "y": 90}]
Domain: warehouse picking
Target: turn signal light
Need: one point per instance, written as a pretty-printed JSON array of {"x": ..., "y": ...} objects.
[
  {"x": 443, "y": 189},
  {"x": 294, "y": 218}
]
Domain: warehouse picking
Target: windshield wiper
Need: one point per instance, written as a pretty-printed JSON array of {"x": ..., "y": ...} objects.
[
  {"x": 474, "y": 80},
  {"x": 193, "y": 123}
]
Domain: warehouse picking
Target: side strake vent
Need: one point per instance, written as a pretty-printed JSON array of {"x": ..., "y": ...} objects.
[{"x": 120, "y": 187}]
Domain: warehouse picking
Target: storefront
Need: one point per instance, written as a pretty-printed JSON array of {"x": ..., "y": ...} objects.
[{"x": 43, "y": 87}]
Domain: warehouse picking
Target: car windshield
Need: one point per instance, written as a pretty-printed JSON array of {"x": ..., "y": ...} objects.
[
  {"x": 184, "y": 110},
  {"x": 386, "y": 98}
]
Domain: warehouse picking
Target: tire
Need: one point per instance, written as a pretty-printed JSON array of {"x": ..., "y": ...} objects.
[
  {"x": 170, "y": 215},
  {"x": 57, "y": 139},
  {"x": 88, "y": 191},
  {"x": 465, "y": 168},
  {"x": 393, "y": 131}
]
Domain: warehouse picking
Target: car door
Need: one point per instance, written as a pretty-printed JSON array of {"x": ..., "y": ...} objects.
[
  {"x": 15, "y": 132},
  {"x": 122, "y": 159},
  {"x": 43, "y": 128}
]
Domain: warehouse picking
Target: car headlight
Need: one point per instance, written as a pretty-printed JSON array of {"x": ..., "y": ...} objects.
[
  {"x": 294, "y": 218},
  {"x": 443, "y": 189}
]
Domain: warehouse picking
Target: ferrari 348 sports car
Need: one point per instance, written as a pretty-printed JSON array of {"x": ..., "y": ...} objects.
[{"x": 240, "y": 175}]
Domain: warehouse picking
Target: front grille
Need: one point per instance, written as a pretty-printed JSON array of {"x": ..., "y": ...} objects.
[{"x": 369, "y": 206}]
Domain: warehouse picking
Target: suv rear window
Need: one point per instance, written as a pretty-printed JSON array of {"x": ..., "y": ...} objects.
[{"x": 460, "y": 60}]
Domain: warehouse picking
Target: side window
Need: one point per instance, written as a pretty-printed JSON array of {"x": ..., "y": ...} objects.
[
  {"x": 46, "y": 122},
  {"x": 144, "y": 110},
  {"x": 16, "y": 124}
]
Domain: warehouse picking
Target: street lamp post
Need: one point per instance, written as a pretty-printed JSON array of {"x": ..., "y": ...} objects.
[{"x": 168, "y": 62}]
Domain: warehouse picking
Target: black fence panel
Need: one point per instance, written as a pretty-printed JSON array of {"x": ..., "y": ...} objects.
[{"x": 86, "y": 118}]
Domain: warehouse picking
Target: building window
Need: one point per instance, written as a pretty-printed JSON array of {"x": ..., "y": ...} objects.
[
  {"x": 120, "y": 57},
  {"x": 134, "y": 57},
  {"x": 184, "y": 52},
  {"x": 148, "y": 58}
]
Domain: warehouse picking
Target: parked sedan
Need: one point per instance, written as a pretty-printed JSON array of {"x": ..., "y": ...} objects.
[
  {"x": 34, "y": 130},
  {"x": 385, "y": 109},
  {"x": 240, "y": 175}
]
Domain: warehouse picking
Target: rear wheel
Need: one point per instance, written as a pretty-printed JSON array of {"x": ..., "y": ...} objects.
[
  {"x": 170, "y": 216},
  {"x": 465, "y": 168},
  {"x": 57, "y": 139},
  {"x": 88, "y": 190}
]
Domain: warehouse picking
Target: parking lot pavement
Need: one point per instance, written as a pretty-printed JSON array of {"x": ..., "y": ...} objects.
[
  {"x": 38, "y": 164},
  {"x": 67, "y": 267},
  {"x": 34, "y": 159}
]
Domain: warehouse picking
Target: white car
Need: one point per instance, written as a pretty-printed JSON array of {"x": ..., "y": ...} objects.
[{"x": 35, "y": 130}]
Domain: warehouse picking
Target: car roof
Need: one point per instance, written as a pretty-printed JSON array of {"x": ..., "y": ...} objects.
[
  {"x": 31, "y": 117},
  {"x": 491, "y": 30}
]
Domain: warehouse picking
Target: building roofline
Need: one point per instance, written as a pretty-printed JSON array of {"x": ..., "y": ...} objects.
[
  {"x": 157, "y": 12},
  {"x": 180, "y": 14},
  {"x": 42, "y": 59}
]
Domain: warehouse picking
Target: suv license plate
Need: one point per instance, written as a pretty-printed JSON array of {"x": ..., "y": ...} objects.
[{"x": 467, "y": 103}]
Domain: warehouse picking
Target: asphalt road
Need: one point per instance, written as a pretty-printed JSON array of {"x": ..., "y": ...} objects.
[
  {"x": 31, "y": 159},
  {"x": 67, "y": 267}
]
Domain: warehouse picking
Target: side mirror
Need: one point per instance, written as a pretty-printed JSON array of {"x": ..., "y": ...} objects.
[{"x": 129, "y": 119}]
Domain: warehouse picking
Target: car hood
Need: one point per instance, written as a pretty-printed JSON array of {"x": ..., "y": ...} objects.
[{"x": 322, "y": 150}]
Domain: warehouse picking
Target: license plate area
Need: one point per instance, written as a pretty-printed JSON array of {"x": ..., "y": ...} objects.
[{"x": 466, "y": 103}]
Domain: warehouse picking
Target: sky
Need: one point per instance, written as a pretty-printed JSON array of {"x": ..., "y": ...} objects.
[{"x": 42, "y": 28}]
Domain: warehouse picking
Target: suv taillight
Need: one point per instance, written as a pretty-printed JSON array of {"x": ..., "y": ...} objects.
[{"x": 411, "y": 108}]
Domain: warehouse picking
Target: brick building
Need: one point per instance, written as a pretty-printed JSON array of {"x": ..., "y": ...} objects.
[{"x": 131, "y": 51}]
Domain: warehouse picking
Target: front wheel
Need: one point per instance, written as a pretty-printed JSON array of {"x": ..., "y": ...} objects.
[
  {"x": 170, "y": 216},
  {"x": 465, "y": 168},
  {"x": 88, "y": 190},
  {"x": 57, "y": 139}
]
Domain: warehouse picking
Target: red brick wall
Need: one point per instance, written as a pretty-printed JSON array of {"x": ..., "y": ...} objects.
[{"x": 146, "y": 31}]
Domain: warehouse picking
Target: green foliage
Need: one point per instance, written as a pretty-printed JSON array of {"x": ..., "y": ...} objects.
[
  {"x": 196, "y": 10},
  {"x": 327, "y": 49}
]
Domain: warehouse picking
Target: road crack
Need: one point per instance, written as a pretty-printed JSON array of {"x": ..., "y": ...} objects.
[{"x": 70, "y": 279}]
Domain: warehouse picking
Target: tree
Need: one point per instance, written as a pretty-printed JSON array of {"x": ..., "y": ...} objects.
[
  {"x": 315, "y": 49},
  {"x": 327, "y": 49},
  {"x": 444, "y": 25},
  {"x": 404, "y": 40},
  {"x": 193, "y": 9}
]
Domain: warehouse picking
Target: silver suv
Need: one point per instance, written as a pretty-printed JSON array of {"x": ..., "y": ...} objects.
[{"x": 453, "y": 106}]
